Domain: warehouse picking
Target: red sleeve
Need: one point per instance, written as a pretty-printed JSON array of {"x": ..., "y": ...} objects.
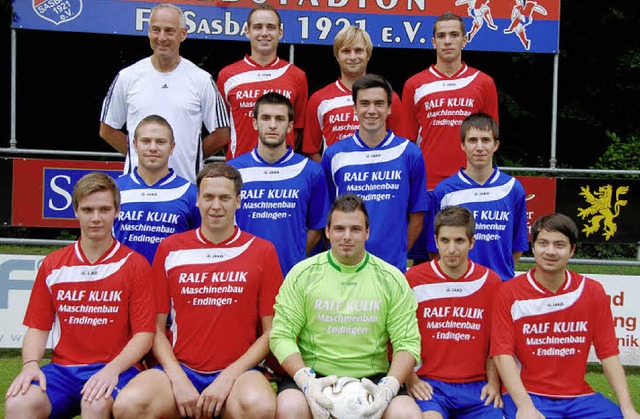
[
  {"x": 271, "y": 280},
  {"x": 604, "y": 336},
  {"x": 300, "y": 106},
  {"x": 410, "y": 127},
  {"x": 159, "y": 280},
  {"x": 40, "y": 312},
  {"x": 502, "y": 328},
  {"x": 142, "y": 311},
  {"x": 395, "y": 121},
  {"x": 491, "y": 99},
  {"x": 312, "y": 134}
]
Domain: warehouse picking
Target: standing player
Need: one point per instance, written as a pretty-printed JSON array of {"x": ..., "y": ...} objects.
[
  {"x": 546, "y": 321},
  {"x": 437, "y": 100},
  {"x": 219, "y": 283},
  {"x": 284, "y": 195},
  {"x": 497, "y": 200},
  {"x": 155, "y": 201},
  {"x": 244, "y": 81},
  {"x": 169, "y": 85},
  {"x": 95, "y": 297},
  {"x": 387, "y": 171},
  {"x": 335, "y": 313},
  {"x": 455, "y": 298},
  {"x": 330, "y": 115}
]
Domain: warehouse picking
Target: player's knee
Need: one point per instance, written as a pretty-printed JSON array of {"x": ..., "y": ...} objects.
[
  {"x": 130, "y": 403},
  {"x": 22, "y": 405},
  {"x": 403, "y": 407},
  {"x": 292, "y": 404},
  {"x": 98, "y": 408},
  {"x": 256, "y": 404}
]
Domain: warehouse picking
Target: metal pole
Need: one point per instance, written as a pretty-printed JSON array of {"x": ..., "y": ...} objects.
[
  {"x": 291, "y": 53},
  {"x": 554, "y": 112},
  {"x": 13, "y": 142}
]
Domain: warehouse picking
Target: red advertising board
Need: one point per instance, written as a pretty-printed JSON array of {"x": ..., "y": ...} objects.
[
  {"x": 541, "y": 196},
  {"x": 41, "y": 195}
]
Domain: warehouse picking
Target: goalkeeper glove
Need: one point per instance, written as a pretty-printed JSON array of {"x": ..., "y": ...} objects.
[
  {"x": 382, "y": 394},
  {"x": 311, "y": 386}
]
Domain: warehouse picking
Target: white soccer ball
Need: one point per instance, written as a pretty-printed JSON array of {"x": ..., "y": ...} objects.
[{"x": 349, "y": 397}]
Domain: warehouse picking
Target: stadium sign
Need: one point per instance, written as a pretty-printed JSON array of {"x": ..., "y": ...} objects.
[{"x": 496, "y": 25}]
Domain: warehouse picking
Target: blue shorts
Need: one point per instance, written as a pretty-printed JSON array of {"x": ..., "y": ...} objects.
[
  {"x": 460, "y": 400},
  {"x": 65, "y": 383},
  {"x": 592, "y": 406},
  {"x": 200, "y": 380}
]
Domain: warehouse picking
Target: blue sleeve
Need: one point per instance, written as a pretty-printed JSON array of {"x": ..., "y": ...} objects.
[
  {"x": 326, "y": 167},
  {"x": 319, "y": 202},
  {"x": 417, "y": 181},
  {"x": 520, "y": 232}
]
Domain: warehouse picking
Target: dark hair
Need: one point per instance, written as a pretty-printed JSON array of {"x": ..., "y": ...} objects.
[
  {"x": 455, "y": 216},
  {"x": 348, "y": 203},
  {"x": 95, "y": 182},
  {"x": 263, "y": 6},
  {"x": 154, "y": 119},
  {"x": 220, "y": 169},
  {"x": 369, "y": 81},
  {"x": 448, "y": 16},
  {"x": 480, "y": 121},
  {"x": 556, "y": 222},
  {"x": 273, "y": 98}
]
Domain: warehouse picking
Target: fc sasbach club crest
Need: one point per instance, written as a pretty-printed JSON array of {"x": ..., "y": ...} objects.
[
  {"x": 57, "y": 11},
  {"x": 603, "y": 210}
]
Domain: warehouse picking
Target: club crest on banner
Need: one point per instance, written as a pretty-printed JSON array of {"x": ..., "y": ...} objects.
[{"x": 57, "y": 11}]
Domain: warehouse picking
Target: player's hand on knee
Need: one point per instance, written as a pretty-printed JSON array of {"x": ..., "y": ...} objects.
[
  {"x": 186, "y": 396},
  {"x": 382, "y": 393},
  {"x": 30, "y": 372},
  {"x": 490, "y": 394},
  {"x": 311, "y": 386},
  {"x": 100, "y": 384},
  {"x": 213, "y": 397},
  {"x": 419, "y": 389}
]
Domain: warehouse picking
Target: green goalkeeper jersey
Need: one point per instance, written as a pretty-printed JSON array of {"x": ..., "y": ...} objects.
[{"x": 341, "y": 318}]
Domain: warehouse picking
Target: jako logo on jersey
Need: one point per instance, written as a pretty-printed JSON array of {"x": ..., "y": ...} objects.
[{"x": 57, "y": 11}]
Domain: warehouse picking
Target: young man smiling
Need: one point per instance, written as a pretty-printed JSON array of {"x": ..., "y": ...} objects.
[{"x": 387, "y": 171}]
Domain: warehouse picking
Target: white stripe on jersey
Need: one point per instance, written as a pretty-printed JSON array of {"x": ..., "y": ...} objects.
[
  {"x": 330, "y": 104},
  {"x": 480, "y": 194},
  {"x": 254, "y": 76},
  {"x": 546, "y": 305},
  {"x": 84, "y": 273},
  {"x": 203, "y": 256},
  {"x": 272, "y": 174},
  {"x": 443, "y": 86},
  {"x": 449, "y": 289},
  {"x": 359, "y": 158},
  {"x": 152, "y": 195}
]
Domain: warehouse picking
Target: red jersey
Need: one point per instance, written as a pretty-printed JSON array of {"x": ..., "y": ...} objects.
[
  {"x": 435, "y": 106},
  {"x": 244, "y": 81},
  {"x": 330, "y": 117},
  {"x": 217, "y": 294},
  {"x": 92, "y": 309},
  {"x": 550, "y": 334},
  {"x": 454, "y": 316}
]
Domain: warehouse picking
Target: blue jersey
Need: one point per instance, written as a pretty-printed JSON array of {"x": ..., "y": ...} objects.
[
  {"x": 499, "y": 207},
  {"x": 281, "y": 201},
  {"x": 148, "y": 214},
  {"x": 391, "y": 180}
]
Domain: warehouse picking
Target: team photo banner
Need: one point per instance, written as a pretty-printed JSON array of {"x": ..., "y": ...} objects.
[{"x": 491, "y": 25}]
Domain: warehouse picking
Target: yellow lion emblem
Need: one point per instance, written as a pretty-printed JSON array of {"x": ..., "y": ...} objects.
[{"x": 600, "y": 209}]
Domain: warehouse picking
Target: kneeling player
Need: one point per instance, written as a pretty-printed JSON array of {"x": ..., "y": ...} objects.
[
  {"x": 219, "y": 283},
  {"x": 95, "y": 296},
  {"x": 455, "y": 298}
]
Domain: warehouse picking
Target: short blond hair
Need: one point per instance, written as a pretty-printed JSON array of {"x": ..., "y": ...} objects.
[
  {"x": 349, "y": 36},
  {"x": 95, "y": 182}
]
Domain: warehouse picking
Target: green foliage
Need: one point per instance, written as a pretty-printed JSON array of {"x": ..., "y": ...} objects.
[
  {"x": 620, "y": 154},
  {"x": 606, "y": 251}
]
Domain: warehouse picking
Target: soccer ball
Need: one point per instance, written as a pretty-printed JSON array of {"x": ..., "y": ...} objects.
[{"x": 349, "y": 397}]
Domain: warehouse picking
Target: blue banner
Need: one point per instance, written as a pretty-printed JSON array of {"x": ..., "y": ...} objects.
[{"x": 492, "y": 25}]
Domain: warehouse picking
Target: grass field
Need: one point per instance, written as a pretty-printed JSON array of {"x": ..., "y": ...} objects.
[{"x": 11, "y": 362}]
